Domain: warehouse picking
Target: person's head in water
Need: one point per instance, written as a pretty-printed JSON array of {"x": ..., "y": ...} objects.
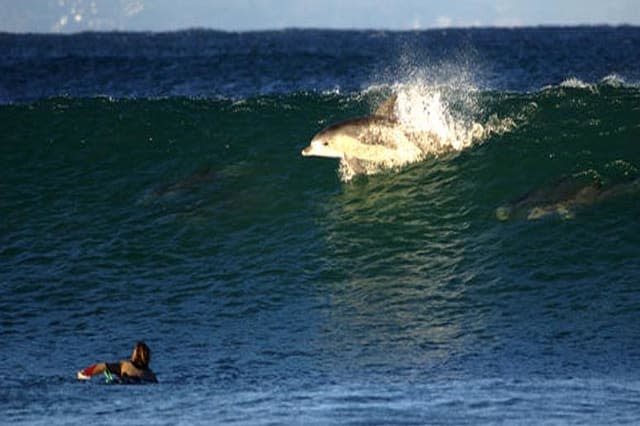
[{"x": 141, "y": 355}]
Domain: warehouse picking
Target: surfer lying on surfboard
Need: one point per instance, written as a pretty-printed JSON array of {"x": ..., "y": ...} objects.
[{"x": 135, "y": 370}]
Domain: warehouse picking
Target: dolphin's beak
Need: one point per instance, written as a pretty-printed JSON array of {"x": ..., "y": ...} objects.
[{"x": 319, "y": 148}]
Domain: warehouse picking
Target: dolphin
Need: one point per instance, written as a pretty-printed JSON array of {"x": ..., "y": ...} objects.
[
  {"x": 372, "y": 141},
  {"x": 203, "y": 176},
  {"x": 563, "y": 198}
]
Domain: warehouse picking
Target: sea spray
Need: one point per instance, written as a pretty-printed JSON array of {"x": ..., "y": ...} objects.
[{"x": 436, "y": 117}]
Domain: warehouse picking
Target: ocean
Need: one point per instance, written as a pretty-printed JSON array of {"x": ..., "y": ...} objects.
[{"x": 153, "y": 188}]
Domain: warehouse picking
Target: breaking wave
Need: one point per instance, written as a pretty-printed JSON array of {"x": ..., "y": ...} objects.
[{"x": 445, "y": 112}]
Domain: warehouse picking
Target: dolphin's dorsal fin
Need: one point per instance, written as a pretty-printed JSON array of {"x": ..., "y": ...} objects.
[{"x": 387, "y": 108}]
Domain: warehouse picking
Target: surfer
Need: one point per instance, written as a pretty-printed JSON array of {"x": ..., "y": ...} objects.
[{"x": 134, "y": 370}]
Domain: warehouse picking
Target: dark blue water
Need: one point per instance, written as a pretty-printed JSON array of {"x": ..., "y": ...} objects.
[
  {"x": 152, "y": 188},
  {"x": 205, "y": 64}
]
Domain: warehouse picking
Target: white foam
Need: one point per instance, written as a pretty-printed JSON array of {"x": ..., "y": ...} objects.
[
  {"x": 575, "y": 83},
  {"x": 611, "y": 80},
  {"x": 424, "y": 111},
  {"x": 614, "y": 80},
  {"x": 434, "y": 119}
]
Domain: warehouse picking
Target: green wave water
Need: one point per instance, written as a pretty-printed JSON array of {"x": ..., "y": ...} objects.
[{"x": 197, "y": 225}]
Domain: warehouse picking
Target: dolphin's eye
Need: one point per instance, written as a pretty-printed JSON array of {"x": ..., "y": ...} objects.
[{"x": 325, "y": 143}]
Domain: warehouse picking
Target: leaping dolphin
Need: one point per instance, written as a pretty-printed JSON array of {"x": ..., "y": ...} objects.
[{"x": 371, "y": 141}]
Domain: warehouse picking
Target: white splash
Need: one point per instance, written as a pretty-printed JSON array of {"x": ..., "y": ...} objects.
[
  {"x": 434, "y": 119},
  {"x": 575, "y": 83},
  {"x": 424, "y": 110},
  {"x": 613, "y": 80}
]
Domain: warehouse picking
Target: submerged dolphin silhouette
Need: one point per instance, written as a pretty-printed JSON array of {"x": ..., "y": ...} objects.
[
  {"x": 205, "y": 175},
  {"x": 563, "y": 198},
  {"x": 378, "y": 140}
]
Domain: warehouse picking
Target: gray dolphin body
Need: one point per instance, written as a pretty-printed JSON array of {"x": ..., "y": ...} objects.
[
  {"x": 202, "y": 176},
  {"x": 563, "y": 198},
  {"x": 167, "y": 192},
  {"x": 374, "y": 140}
]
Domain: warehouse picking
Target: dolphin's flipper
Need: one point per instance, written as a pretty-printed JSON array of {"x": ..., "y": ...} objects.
[
  {"x": 356, "y": 165},
  {"x": 387, "y": 108}
]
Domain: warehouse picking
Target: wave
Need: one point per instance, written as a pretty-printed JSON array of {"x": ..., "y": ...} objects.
[
  {"x": 453, "y": 118},
  {"x": 610, "y": 80},
  {"x": 450, "y": 80}
]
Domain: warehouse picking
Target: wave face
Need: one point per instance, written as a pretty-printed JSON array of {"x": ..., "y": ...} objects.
[{"x": 153, "y": 188}]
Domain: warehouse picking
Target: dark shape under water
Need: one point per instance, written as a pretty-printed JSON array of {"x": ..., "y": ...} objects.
[
  {"x": 202, "y": 176},
  {"x": 564, "y": 197}
]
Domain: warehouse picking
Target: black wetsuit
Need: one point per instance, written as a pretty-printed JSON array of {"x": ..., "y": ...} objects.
[{"x": 116, "y": 370}]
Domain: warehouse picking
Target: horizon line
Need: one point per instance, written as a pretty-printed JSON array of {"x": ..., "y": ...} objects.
[{"x": 326, "y": 29}]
